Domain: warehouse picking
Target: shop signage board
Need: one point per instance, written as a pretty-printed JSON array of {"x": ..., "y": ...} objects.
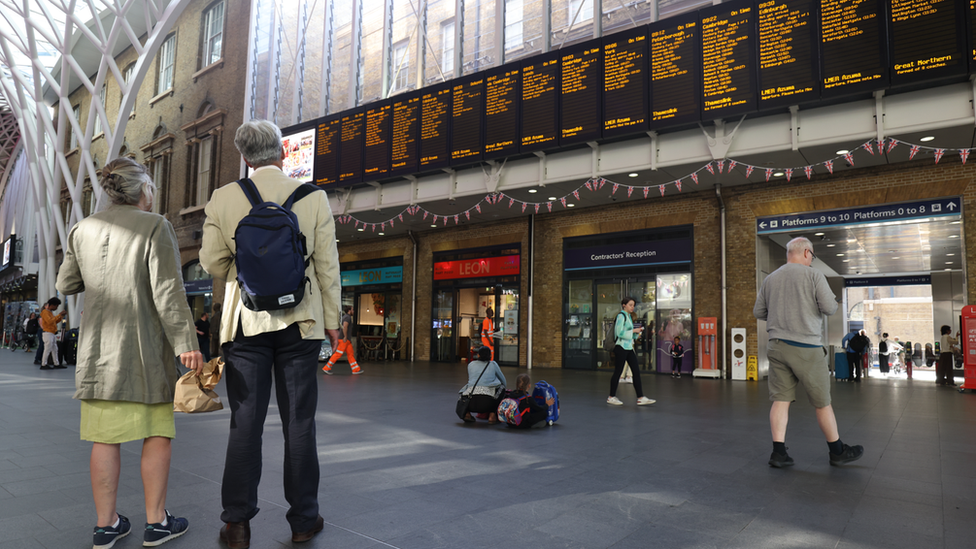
[
  {"x": 629, "y": 254},
  {"x": 196, "y": 287},
  {"x": 508, "y": 265},
  {"x": 921, "y": 209},
  {"x": 876, "y": 281},
  {"x": 383, "y": 275}
]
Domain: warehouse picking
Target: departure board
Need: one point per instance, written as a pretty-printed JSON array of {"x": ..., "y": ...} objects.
[
  {"x": 852, "y": 49},
  {"x": 789, "y": 66},
  {"x": 326, "y": 169},
  {"x": 468, "y": 106},
  {"x": 502, "y": 90},
  {"x": 675, "y": 50},
  {"x": 581, "y": 92},
  {"x": 376, "y": 155},
  {"x": 351, "y": 138},
  {"x": 926, "y": 40},
  {"x": 435, "y": 128},
  {"x": 728, "y": 37},
  {"x": 405, "y": 140},
  {"x": 625, "y": 83},
  {"x": 540, "y": 102}
]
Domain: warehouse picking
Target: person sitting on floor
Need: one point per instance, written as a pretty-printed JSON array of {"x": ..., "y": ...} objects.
[
  {"x": 490, "y": 387},
  {"x": 533, "y": 413}
]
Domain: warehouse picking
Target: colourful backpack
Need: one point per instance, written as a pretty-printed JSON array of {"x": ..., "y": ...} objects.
[{"x": 508, "y": 409}]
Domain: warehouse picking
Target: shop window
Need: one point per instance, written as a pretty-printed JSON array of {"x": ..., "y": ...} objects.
[
  {"x": 213, "y": 32},
  {"x": 167, "y": 61}
]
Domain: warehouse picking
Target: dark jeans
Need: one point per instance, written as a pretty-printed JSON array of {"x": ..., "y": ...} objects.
[
  {"x": 854, "y": 361},
  {"x": 943, "y": 369},
  {"x": 204, "y": 342},
  {"x": 622, "y": 355},
  {"x": 251, "y": 364}
]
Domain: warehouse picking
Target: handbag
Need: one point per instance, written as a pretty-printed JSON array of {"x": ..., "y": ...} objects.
[
  {"x": 195, "y": 393},
  {"x": 464, "y": 400}
]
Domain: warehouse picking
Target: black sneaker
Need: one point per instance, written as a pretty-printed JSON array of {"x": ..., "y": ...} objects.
[
  {"x": 780, "y": 460},
  {"x": 850, "y": 453},
  {"x": 106, "y": 536},
  {"x": 157, "y": 534}
]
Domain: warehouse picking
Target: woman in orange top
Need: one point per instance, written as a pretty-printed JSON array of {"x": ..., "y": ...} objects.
[{"x": 487, "y": 330}]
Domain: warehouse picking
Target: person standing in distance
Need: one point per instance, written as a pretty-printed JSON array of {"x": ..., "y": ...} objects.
[
  {"x": 49, "y": 329},
  {"x": 488, "y": 331},
  {"x": 345, "y": 345},
  {"x": 264, "y": 346},
  {"x": 793, "y": 301},
  {"x": 203, "y": 336}
]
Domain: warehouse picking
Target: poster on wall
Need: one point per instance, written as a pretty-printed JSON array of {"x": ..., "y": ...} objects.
[
  {"x": 674, "y": 319},
  {"x": 511, "y": 322}
]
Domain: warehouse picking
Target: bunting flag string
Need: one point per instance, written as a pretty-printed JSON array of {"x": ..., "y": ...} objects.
[{"x": 593, "y": 184}]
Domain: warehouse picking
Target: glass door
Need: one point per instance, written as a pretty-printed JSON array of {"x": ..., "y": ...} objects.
[
  {"x": 644, "y": 293},
  {"x": 674, "y": 320},
  {"x": 608, "y": 296},
  {"x": 507, "y": 321},
  {"x": 582, "y": 334},
  {"x": 442, "y": 329}
]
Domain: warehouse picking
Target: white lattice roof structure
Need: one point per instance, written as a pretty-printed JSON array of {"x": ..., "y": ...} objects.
[{"x": 48, "y": 49}]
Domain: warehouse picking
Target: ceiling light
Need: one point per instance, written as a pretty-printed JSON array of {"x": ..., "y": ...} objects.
[
  {"x": 818, "y": 234},
  {"x": 948, "y": 263},
  {"x": 570, "y": 205},
  {"x": 360, "y": 230},
  {"x": 896, "y": 258},
  {"x": 381, "y": 234},
  {"x": 850, "y": 240},
  {"x": 843, "y": 151},
  {"x": 950, "y": 255},
  {"x": 552, "y": 198},
  {"x": 533, "y": 191},
  {"x": 831, "y": 245},
  {"x": 635, "y": 174},
  {"x": 927, "y": 138},
  {"x": 948, "y": 269},
  {"x": 845, "y": 261},
  {"x": 953, "y": 236},
  {"x": 955, "y": 222},
  {"x": 337, "y": 240},
  {"x": 840, "y": 255},
  {"x": 778, "y": 174},
  {"x": 434, "y": 225}
]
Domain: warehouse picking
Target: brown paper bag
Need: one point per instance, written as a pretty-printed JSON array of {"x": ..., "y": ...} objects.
[{"x": 195, "y": 393}]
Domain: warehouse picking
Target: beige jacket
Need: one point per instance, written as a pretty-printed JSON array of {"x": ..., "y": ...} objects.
[
  {"x": 319, "y": 309},
  {"x": 136, "y": 318}
]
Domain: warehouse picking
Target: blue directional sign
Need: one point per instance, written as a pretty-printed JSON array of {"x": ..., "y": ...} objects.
[
  {"x": 915, "y": 280},
  {"x": 938, "y": 207}
]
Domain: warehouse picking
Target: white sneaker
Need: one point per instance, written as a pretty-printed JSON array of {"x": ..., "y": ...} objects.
[
  {"x": 644, "y": 401},
  {"x": 614, "y": 401},
  {"x": 629, "y": 380}
]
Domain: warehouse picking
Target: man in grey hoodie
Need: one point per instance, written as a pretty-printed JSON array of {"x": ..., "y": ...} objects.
[{"x": 793, "y": 301}]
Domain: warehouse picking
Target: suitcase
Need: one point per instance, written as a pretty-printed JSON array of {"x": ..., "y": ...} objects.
[
  {"x": 70, "y": 347},
  {"x": 543, "y": 392},
  {"x": 842, "y": 368}
]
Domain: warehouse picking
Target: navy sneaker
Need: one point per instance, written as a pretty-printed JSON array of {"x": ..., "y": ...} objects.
[
  {"x": 106, "y": 536},
  {"x": 157, "y": 534}
]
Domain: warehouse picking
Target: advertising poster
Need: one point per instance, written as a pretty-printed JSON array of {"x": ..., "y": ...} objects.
[{"x": 300, "y": 150}]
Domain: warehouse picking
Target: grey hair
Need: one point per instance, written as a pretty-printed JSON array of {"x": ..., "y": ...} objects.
[
  {"x": 796, "y": 246},
  {"x": 125, "y": 181},
  {"x": 259, "y": 142}
]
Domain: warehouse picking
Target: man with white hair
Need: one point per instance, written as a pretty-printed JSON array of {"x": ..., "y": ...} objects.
[
  {"x": 793, "y": 301},
  {"x": 282, "y": 344}
]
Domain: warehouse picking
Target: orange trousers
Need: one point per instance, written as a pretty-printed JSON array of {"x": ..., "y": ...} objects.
[
  {"x": 488, "y": 343},
  {"x": 344, "y": 347}
]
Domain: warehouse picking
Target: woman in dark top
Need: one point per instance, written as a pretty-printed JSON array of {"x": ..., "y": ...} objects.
[
  {"x": 536, "y": 412},
  {"x": 677, "y": 351}
]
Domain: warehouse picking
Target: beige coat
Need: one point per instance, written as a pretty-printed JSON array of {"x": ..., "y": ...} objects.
[
  {"x": 319, "y": 309},
  {"x": 136, "y": 318}
]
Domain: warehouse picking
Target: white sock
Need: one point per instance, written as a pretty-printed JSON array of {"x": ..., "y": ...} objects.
[
  {"x": 118, "y": 520},
  {"x": 165, "y": 521}
]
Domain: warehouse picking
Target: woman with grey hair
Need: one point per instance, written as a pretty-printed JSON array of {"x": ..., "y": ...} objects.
[{"x": 127, "y": 261}]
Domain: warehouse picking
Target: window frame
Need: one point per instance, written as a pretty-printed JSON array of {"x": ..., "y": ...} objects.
[
  {"x": 572, "y": 6},
  {"x": 207, "y": 57},
  {"x": 72, "y": 136},
  {"x": 203, "y": 179},
  {"x": 447, "y": 47},
  {"x": 168, "y": 48},
  {"x": 400, "y": 80},
  {"x": 98, "y": 130}
]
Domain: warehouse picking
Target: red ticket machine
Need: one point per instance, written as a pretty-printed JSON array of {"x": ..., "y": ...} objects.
[
  {"x": 707, "y": 359},
  {"x": 969, "y": 347}
]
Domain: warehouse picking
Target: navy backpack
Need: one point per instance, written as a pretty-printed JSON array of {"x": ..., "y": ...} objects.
[{"x": 271, "y": 251}]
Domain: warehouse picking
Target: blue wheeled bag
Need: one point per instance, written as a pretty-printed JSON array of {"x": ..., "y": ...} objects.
[
  {"x": 543, "y": 392},
  {"x": 842, "y": 369}
]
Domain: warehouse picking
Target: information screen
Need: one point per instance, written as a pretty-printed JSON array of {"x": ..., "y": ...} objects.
[
  {"x": 502, "y": 90},
  {"x": 378, "y": 130},
  {"x": 789, "y": 65},
  {"x": 625, "y": 83},
  {"x": 540, "y": 102},
  {"x": 468, "y": 109},
  {"x": 327, "y": 152},
  {"x": 581, "y": 97},
  {"x": 927, "y": 40},
  {"x": 728, "y": 59},
  {"x": 675, "y": 50},
  {"x": 351, "y": 138},
  {"x": 404, "y": 154},
  {"x": 435, "y": 128},
  {"x": 299, "y": 155},
  {"x": 852, "y": 49}
]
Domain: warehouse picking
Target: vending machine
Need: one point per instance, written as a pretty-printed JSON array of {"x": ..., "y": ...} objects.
[
  {"x": 707, "y": 347},
  {"x": 968, "y": 344}
]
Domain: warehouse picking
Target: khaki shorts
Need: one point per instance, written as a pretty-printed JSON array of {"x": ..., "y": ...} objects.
[{"x": 790, "y": 365}]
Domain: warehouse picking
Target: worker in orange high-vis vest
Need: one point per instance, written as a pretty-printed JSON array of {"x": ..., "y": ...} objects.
[
  {"x": 344, "y": 347},
  {"x": 488, "y": 330}
]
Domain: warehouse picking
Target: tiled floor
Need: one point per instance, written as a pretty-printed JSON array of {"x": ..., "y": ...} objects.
[{"x": 400, "y": 471}]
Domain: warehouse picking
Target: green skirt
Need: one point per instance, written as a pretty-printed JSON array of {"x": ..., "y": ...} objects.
[{"x": 116, "y": 421}]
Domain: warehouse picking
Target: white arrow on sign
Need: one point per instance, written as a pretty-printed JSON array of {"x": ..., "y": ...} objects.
[
  {"x": 952, "y": 206},
  {"x": 762, "y": 224}
]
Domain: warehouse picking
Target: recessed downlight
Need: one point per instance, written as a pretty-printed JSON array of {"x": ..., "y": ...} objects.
[
  {"x": 845, "y": 261},
  {"x": 434, "y": 225},
  {"x": 552, "y": 198},
  {"x": 570, "y": 205},
  {"x": 840, "y": 255},
  {"x": 778, "y": 174},
  {"x": 927, "y": 138},
  {"x": 831, "y": 245},
  {"x": 953, "y": 236},
  {"x": 948, "y": 263},
  {"x": 842, "y": 151},
  {"x": 360, "y": 230},
  {"x": 533, "y": 191},
  {"x": 381, "y": 234},
  {"x": 635, "y": 174},
  {"x": 818, "y": 234},
  {"x": 950, "y": 255}
]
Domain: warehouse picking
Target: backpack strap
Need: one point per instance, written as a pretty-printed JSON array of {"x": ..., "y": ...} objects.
[
  {"x": 301, "y": 192},
  {"x": 250, "y": 191}
]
